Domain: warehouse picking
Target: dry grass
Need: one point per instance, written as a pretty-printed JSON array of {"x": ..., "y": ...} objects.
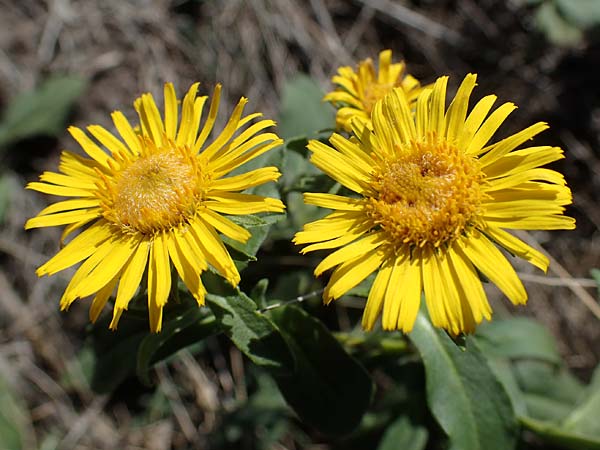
[{"x": 125, "y": 48}]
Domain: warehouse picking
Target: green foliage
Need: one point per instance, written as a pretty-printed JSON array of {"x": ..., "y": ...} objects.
[
  {"x": 303, "y": 112},
  {"x": 403, "y": 434},
  {"x": 464, "y": 395},
  {"x": 328, "y": 389},
  {"x": 565, "y": 21},
  {"x": 252, "y": 332},
  {"x": 41, "y": 111},
  {"x": 12, "y": 419},
  {"x": 548, "y": 399}
]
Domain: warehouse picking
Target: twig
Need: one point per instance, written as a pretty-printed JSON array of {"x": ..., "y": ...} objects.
[
  {"x": 589, "y": 301},
  {"x": 179, "y": 410},
  {"x": 556, "y": 281},
  {"x": 298, "y": 299},
  {"x": 83, "y": 423},
  {"x": 414, "y": 20}
]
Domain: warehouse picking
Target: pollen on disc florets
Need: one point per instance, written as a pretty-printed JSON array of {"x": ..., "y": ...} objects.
[
  {"x": 159, "y": 190},
  {"x": 427, "y": 194}
]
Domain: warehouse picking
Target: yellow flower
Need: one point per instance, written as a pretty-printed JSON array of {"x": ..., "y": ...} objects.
[
  {"x": 357, "y": 92},
  {"x": 433, "y": 200},
  {"x": 158, "y": 196}
]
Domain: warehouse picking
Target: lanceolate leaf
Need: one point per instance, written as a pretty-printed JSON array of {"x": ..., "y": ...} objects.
[
  {"x": 252, "y": 332},
  {"x": 329, "y": 389},
  {"x": 303, "y": 113},
  {"x": 402, "y": 434},
  {"x": 463, "y": 394},
  {"x": 42, "y": 111}
]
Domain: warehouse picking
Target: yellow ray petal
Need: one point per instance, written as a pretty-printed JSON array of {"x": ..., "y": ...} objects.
[
  {"x": 489, "y": 128},
  {"x": 61, "y": 191},
  {"x": 88, "y": 146},
  {"x": 350, "y": 252},
  {"x": 437, "y": 121},
  {"x": 546, "y": 222},
  {"x": 188, "y": 128},
  {"x": 80, "y": 276},
  {"x": 399, "y": 115},
  {"x": 488, "y": 259},
  {"x": 410, "y": 296},
  {"x": 215, "y": 252},
  {"x": 82, "y": 246},
  {"x": 63, "y": 218},
  {"x": 101, "y": 299},
  {"x": 159, "y": 281},
  {"x": 171, "y": 110},
  {"x": 216, "y": 147},
  {"x": 376, "y": 297},
  {"x": 185, "y": 262},
  {"x": 225, "y": 226},
  {"x": 67, "y": 181},
  {"x": 391, "y": 306},
  {"x": 457, "y": 111},
  {"x": 499, "y": 149},
  {"x": 475, "y": 119},
  {"x": 351, "y": 273},
  {"x": 333, "y": 201},
  {"x": 521, "y": 160},
  {"x": 473, "y": 301},
  {"x": 517, "y": 247},
  {"x": 247, "y": 180},
  {"x": 150, "y": 118},
  {"x": 69, "y": 205},
  {"x": 210, "y": 120},
  {"x": 338, "y": 166},
  {"x": 132, "y": 275},
  {"x": 107, "y": 139},
  {"x": 422, "y": 112},
  {"x": 107, "y": 268},
  {"x": 126, "y": 131},
  {"x": 240, "y": 204},
  {"x": 538, "y": 174}
]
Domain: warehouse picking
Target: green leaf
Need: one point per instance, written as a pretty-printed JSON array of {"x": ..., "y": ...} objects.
[
  {"x": 13, "y": 417},
  {"x": 558, "y": 422},
  {"x": 584, "y": 420},
  {"x": 558, "y": 31},
  {"x": 259, "y": 232},
  {"x": 463, "y": 394},
  {"x": 517, "y": 338},
  {"x": 252, "y": 332},
  {"x": 114, "y": 351},
  {"x": 328, "y": 389},
  {"x": 42, "y": 111},
  {"x": 402, "y": 434},
  {"x": 582, "y": 13},
  {"x": 181, "y": 330},
  {"x": 547, "y": 380},
  {"x": 596, "y": 275},
  {"x": 6, "y": 189},
  {"x": 550, "y": 432},
  {"x": 303, "y": 112}
]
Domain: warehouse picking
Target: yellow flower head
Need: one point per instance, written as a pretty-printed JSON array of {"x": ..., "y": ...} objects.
[
  {"x": 433, "y": 200},
  {"x": 157, "y": 196},
  {"x": 357, "y": 92}
]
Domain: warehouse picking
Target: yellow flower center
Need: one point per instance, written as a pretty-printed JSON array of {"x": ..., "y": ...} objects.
[
  {"x": 158, "y": 191},
  {"x": 374, "y": 92},
  {"x": 427, "y": 195}
]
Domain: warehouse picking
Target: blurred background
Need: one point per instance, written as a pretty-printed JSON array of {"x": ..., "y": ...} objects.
[{"x": 74, "y": 61}]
